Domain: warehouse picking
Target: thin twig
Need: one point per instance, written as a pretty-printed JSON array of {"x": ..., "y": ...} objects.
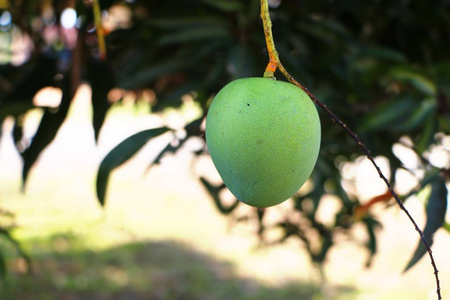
[
  {"x": 265, "y": 16},
  {"x": 99, "y": 28}
]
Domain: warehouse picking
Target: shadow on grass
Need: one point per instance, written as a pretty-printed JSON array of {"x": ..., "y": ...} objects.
[{"x": 144, "y": 270}]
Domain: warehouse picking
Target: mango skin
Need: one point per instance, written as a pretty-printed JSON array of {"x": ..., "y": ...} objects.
[{"x": 263, "y": 136}]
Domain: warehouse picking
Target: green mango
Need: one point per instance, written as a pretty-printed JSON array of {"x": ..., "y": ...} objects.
[{"x": 263, "y": 136}]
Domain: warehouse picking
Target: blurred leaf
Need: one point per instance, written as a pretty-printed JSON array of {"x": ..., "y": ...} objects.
[
  {"x": 48, "y": 127},
  {"x": 27, "y": 80},
  {"x": 225, "y": 5},
  {"x": 318, "y": 179},
  {"x": 6, "y": 234},
  {"x": 2, "y": 265},
  {"x": 194, "y": 34},
  {"x": 430, "y": 176},
  {"x": 188, "y": 59},
  {"x": 120, "y": 154},
  {"x": 384, "y": 53},
  {"x": 371, "y": 226},
  {"x": 416, "y": 79},
  {"x": 240, "y": 62},
  {"x": 436, "y": 209},
  {"x": 168, "y": 149},
  {"x": 142, "y": 77},
  {"x": 102, "y": 81},
  {"x": 23, "y": 84},
  {"x": 317, "y": 31},
  {"x": 388, "y": 113},
  {"x": 192, "y": 129},
  {"x": 427, "y": 136},
  {"x": 214, "y": 192},
  {"x": 189, "y": 22},
  {"x": 17, "y": 108},
  {"x": 446, "y": 226},
  {"x": 172, "y": 97},
  {"x": 336, "y": 27},
  {"x": 419, "y": 115}
]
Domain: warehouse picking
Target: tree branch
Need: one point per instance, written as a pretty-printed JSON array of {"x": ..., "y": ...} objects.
[{"x": 273, "y": 55}]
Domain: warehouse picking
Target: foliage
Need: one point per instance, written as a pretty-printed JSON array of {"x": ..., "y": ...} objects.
[{"x": 382, "y": 67}]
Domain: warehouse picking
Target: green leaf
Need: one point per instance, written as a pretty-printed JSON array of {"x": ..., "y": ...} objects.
[
  {"x": 225, "y": 5},
  {"x": 436, "y": 209},
  {"x": 172, "y": 98},
  {"x": 120, "y": 154},
  {"x": 192, "y": 129},
  {"x": 16, "y": 108},
  {"x": 240, "y": 62},
  {"x": 180, "y": 23},
  {"x": 416, "y": 79},
  {"x": 48, "y": 127},
  {"x": 384, "y": 54},
  {"x": 145, "y": 76},
  {"x": 214, "y": 192},
  {"x": 419, "y": 115},
  {"x": 194, "y": 34},
  {"x": 388, "y": 114},
  {"x": 102, "y": 81},
  {"x": 371, "y": 226},
  {"x": 3, "y": 268},
  {"x": 427, "y": 136}
]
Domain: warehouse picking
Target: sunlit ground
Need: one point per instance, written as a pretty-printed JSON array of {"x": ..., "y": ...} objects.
[{"x": 160, "y": 236}]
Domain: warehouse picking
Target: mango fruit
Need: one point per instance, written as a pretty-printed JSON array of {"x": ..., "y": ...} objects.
[{"x": 263, "y": 136}]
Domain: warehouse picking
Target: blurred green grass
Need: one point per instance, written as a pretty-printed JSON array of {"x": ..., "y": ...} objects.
[
  {"x": 150, "y": 242},
  {"x": 64, "y": 269}
]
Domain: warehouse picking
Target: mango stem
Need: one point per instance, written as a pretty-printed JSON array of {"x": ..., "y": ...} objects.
[{"x": 273, "y": 54}]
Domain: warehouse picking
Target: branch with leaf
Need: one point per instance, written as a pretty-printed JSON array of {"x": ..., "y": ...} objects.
[{"x": 439, "y": 189}]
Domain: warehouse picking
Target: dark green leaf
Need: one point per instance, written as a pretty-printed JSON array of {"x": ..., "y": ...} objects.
[
  {"x": 3, "y": 268},
  {"x": 16, "y": 108},
  {"x": 318, "y": 32},
  {"x": 335, "y": 27},
  {"x": 192, "y": 129},
  {"x": 388, "y": 113},
  {"x": 102, "y": 81},
  {"x": 384, "y": 53},
  {"x": 225, "y": 5},
  {"x": 172, "y": 98},
  {"x": 416, "y": 79},
  {"x": 240, "y": 62},
  {"x": 214, "y": 192},
  {"x": 120, "y": 154},
  {"x": 436, "y": 209},
  {"x": 371, "y": 225},
  {"x": 151, "y": 73},
  {"x": 194, "y": 34},
  {"x": 48, "y": 127},
  {"x": 182, "y": 23},
  {"x": 419, "y": 115},
  {"x": 427, "y": 136}
]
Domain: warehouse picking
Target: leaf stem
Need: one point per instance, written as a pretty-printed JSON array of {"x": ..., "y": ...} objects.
[{"x": 270, "y": 70}]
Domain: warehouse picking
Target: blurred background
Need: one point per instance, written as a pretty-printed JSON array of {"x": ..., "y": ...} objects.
[{"x": 107, "y": 190}]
